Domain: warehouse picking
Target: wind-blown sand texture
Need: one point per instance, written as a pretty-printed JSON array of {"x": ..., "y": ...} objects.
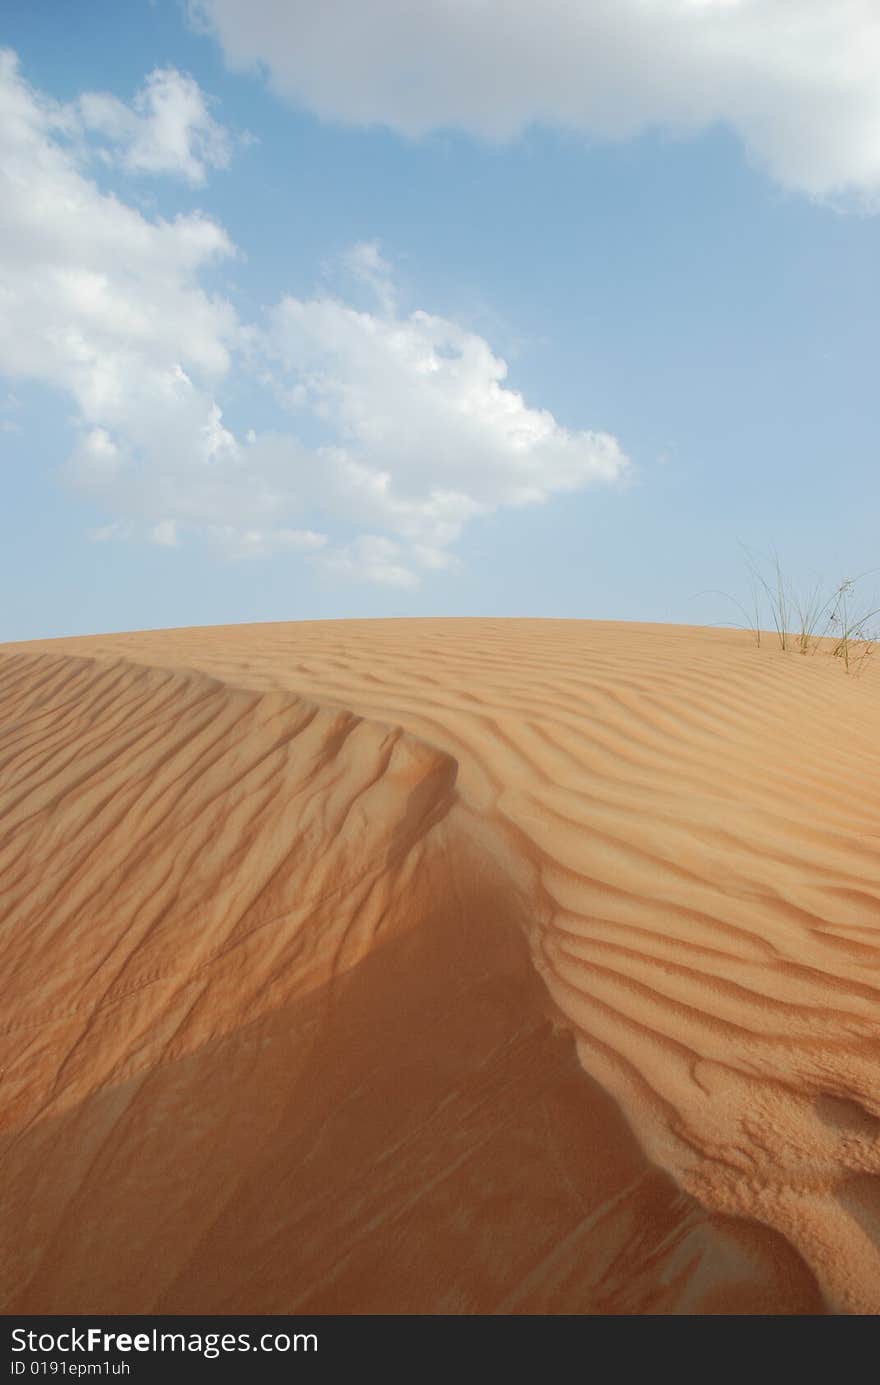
[{"x": 515, "y": 966}]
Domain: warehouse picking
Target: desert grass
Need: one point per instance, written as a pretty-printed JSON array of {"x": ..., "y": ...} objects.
[
  {"x": 807, "y": 621},
  {"x": 854, "y": 636}
]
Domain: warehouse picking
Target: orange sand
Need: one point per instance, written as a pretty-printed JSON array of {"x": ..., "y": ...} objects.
[{"x": 305, "y": 928}]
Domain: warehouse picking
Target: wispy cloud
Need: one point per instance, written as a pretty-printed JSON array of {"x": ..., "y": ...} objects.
[
  {"x": 366, "y": 264},
  {"x": 164, "y": 533}
]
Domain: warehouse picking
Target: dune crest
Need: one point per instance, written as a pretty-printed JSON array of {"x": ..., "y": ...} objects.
[{"x": 675, "y": 832}]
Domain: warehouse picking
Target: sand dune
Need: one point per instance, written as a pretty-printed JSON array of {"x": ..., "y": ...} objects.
[{"x": 446, "y": 966}]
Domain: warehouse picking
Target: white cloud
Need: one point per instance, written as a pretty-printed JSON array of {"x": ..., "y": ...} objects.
[
  {"x": 168, "y": 130},
  {"x": 374, "y": 559},
  {"x": 797, "y": 79},
  {"x": 105, "y": 305},
  {"x": 428, "y": 434},
  {"x": 421, "y": 431}
]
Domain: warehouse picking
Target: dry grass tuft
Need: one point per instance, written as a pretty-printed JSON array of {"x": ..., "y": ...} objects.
[{"x": 807, "y": 622}]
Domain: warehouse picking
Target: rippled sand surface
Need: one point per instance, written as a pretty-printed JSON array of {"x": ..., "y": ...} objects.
[{"x": 438, "y": 966}]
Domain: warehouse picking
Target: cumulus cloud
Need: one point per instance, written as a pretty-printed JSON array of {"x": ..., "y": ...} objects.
[
  {"x": 168, "y": 129},
  {"x": 797, "y": 79},
  {"x": 105, "y": 305},
  {"x": 428, "y": 434},
  {"x": 420, "y": 430}
]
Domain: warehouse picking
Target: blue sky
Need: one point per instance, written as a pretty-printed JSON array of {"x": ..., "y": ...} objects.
[{"x": 353, "y": 309}]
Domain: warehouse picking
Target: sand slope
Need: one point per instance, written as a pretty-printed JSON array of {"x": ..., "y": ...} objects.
[{"x": 302, "y": 925}]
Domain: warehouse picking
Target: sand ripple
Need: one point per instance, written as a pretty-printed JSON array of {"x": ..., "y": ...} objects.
[{"x": 683, "y": 830}]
